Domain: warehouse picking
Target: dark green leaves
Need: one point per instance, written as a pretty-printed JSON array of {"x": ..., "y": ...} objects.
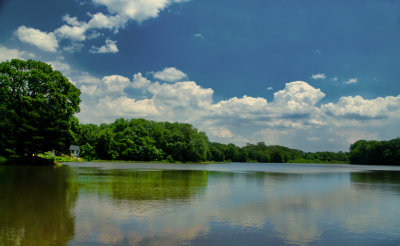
[
  {"x": 376, "y": 152},
  {"x": 36, "y": 106}
]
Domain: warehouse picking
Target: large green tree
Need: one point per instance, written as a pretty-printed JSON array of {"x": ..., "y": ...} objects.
[{"x": 37, "y": 105}]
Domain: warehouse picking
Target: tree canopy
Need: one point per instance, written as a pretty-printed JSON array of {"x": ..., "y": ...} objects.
[
  {"x": 142, "y": 140},
  {"x": 37, "y": 105},
  {"x": 145, "y": 140},
  {"x": 376, "y": 152}
]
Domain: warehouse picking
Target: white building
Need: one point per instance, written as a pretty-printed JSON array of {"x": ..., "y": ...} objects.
[{"x": 75, "y": 150}]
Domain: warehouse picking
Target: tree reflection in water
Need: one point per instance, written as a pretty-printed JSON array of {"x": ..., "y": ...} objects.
[
  {"x": 142, "y": 185},
  {"x": 134, "y": 207},
  {"x": 36, "y": 205}
]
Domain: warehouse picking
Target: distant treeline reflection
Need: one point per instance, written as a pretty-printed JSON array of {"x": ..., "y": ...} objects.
[
  {"x": 377, "y": 177},
  {"x": 144, "y": 185}
]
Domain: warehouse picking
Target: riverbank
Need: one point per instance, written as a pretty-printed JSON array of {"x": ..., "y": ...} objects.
[
  {"x": 61, "y": 158},
  {"x": 298, "y": 161},
  {"x": 304, "y": 161},
  {"x": 65, "y": 158},
  {"x": 156, "y": 161}
]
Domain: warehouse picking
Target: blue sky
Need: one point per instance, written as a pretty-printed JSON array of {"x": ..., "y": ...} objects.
[{"x": 313, "y": 75}]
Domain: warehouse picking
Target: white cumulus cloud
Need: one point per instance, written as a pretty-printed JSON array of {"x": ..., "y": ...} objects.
[
  {"x": 138, "y": 10},
  {"x": 170, "y": 74},
  {"x": 297, "y": 98},
  {"x": 42, "y": 40},
  {"x": 140, "y": 82},
  {"x": 118, "y": 14},
  {"x": 102, "y": 21},
  {"x": 116, "y": 83},
  {"x": 75, "y": 30},
  {"x": 109, "y": 47},
  {"x": 90, "y": 90},
  {"x": 8, "y": 54},
  {"x": 181, "y": 95},
  {"x": 75, "y": 33},
  {"x": 358, "y": 108},
  {"x": 123, "y": 106},
  {"x": 245, "y": 107},
  {"x": 73, "y": 21},
  {"x": 299, "y": 92}
]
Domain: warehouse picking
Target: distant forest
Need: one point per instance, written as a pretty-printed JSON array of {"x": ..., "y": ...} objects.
[{"x": 145, "y": 140}]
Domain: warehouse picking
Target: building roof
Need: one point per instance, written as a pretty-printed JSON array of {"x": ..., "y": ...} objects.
[{"x": 74, "y": 147}]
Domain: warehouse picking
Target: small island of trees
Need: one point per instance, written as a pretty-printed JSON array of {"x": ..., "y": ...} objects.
[{"x": 37, "y": 107}]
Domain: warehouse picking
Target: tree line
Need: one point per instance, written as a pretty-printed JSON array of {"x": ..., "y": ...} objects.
[{"x": 146, "y": 140}]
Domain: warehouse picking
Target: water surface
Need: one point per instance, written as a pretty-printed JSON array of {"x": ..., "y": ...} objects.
[{"x": 216, "y": 204}]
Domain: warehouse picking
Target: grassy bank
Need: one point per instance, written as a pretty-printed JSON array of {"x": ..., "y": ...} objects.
[{"x": 62, "y": 158}]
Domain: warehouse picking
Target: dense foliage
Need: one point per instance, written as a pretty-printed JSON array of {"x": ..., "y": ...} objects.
[
  {"x": 36, "y": 107},
  {"x": 274, "y": 153},
  {"x": 327, "y": 156},
  {"x": 376, "y": 152},
  {"x": 144, "y": 140}
]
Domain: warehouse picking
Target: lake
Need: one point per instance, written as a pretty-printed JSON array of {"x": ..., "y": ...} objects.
[{"x": 184, "y": 204}]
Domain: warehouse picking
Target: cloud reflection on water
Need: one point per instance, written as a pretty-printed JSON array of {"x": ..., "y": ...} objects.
[
  {"x": 296, "y": 209},
  {"x": 200, "y": 207}
]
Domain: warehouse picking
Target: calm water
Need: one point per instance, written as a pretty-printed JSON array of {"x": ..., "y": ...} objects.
[{"x": 226, "y": 204}]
